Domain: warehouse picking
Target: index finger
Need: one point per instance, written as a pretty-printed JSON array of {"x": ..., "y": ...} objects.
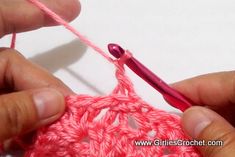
[
  {"x": 17, "y": 74},
  {"x": 21, "y": 15},
  {"x": 214, "y": 90}
]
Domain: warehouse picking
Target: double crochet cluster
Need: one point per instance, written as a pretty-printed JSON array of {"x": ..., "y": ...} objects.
[{"x": 112, "y": 126}]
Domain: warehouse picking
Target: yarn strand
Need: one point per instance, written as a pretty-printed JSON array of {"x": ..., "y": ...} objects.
[
  {"x": 61, "y": 21},
  {"x": 108, "y": 126},
  {"x": 13, "y": 40}
]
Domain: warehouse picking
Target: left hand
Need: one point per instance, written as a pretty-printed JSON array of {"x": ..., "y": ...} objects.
[
  {"x": 30, "y": 97},
  {"x": 21, "y": 15}
]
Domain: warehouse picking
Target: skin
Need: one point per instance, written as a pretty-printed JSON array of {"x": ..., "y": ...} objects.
[
  {"x": 18, "y": 111},
  {"x": 216, "y": 120},
  {"x": 32, "y": 18},
  {"x": 21, "y": 80}
]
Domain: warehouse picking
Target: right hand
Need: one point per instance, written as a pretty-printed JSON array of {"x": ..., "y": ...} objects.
[{"x": 217, "y": 92}]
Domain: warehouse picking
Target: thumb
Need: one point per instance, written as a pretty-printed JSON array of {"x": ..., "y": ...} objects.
[
  {"x": 24, "y": 111},
  {"x": 204, "y": 124}
]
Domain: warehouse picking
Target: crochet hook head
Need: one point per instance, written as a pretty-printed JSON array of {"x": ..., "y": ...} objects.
[
  {"x": 116, "y": 50},
  {"x": 173, "y": 97}
]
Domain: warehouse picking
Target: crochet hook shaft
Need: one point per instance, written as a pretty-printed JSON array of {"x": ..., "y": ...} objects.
[{"x": 173, "y": 97}]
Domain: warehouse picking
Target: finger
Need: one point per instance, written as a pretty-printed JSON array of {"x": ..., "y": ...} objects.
[
  {"x": 216, "y": 89},
  {"x": 17, "y": 73},
  {"x": 204, "y": 124},
  {"x": 27, "y": 110},
  {"x": 20, "y": 15}
]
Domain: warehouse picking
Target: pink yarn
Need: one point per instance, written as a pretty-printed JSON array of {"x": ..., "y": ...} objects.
[
  {"x": 13, "y": 40},
  {"x": 84, "y": 130},
  {"x": 61, "y": 21},
  {"x": 108, "y": 125}
]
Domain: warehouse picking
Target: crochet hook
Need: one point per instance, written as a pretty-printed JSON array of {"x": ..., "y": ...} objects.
[{"x": 173, "y": 97}]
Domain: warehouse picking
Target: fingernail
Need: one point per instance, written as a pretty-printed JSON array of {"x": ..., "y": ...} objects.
[
  {"x": 48, "y": 102},
  {"x": 196, "y": 119}
]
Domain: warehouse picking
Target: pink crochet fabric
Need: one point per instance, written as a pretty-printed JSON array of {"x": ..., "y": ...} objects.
[
  {"x": 109, "y": 125},
  {"x": 84, "y": 130}
]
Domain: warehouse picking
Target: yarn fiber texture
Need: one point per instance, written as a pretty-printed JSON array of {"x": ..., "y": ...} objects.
[{"x": 110, "y": 126}]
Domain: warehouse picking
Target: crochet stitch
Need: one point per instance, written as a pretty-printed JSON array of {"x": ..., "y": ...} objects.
[
  {"x": 85, "y": 130},
  {"x": 111, "y": 125}
]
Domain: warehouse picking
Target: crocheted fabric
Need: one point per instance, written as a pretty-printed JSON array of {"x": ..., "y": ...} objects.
[
  {"x": 120, "y": 124},
  {"x": 111, "y": 126}
]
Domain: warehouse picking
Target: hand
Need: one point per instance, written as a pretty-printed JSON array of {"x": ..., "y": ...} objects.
[
  {"x": 217, "y": 92},
  {"x": 21, "y": 15},
  {"x": 29, "y": 95}
]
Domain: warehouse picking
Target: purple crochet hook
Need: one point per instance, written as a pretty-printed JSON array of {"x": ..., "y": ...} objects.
[{"x": 173, "y": 97}]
